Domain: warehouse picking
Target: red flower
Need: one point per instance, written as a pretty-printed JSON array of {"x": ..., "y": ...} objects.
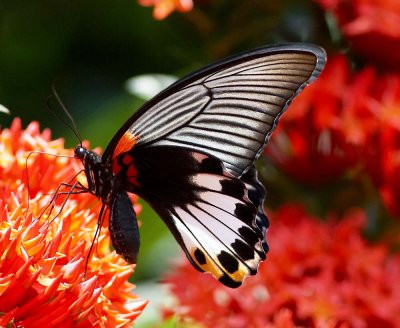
[
  {"x": 43, "y": 258},
  {"x": 317, "y": 275},
  {"x": 383, "y": 151},
  {"x": 344, "y": 123},
  {"x": 162, "y": 8},
  {"x": 320, "y": 136},
  {"x": 371, "y": 26}
]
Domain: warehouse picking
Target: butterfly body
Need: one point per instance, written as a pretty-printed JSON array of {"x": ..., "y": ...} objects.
[
  {"x": 109, "y": 187},
  {"x": 190, "y": 153}
]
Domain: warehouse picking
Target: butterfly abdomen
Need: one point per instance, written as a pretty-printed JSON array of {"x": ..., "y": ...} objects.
[{"x": 123, "y": 226}]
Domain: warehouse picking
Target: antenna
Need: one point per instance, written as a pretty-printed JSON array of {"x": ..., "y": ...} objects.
[{"x": 71, "y": 126}]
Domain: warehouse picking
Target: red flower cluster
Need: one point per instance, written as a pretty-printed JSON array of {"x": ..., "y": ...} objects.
[
  {"x": 371, "y": 26},
  {"x": 317, "y": 275},
  {"x": 318, "y": 138},
  {"x": 45, "y": 278},
  {"x": 344, "y": 122}
]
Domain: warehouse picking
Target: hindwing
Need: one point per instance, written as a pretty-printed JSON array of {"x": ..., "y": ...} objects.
[{"x": 206, "y": 208}]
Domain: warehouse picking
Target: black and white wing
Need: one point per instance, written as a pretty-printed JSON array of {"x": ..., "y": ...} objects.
[
  {"x": 206, "y": 208},
  {"x": 190, "y": 153}
]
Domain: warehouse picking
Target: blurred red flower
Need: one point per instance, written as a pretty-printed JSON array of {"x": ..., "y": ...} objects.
[
  {"x": 162, "y": 8},
  {"x": 43, "y": 256},
  {"x": 371, "y": 26},
  {"x": 318, "y": 274},
  {"x": 383, "y": 150},
  {"x": 345, "y": 122},
  {"x": 320, "y": 136}
]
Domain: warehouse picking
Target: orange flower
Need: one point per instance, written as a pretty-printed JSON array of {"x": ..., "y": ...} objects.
[
  {"x": 162, "y": 8},
  {"x": 317, "y": 275},
  {"x": 45, "y": 278}
]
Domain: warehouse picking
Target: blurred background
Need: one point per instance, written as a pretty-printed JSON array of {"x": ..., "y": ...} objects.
[{"x": 90, "y": 51}]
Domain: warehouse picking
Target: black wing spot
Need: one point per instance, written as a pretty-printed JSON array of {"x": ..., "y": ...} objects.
[
  {"x": 245, "y": 212},
  {"x": 243, "y": 250},
  {"x": 200, "y": 257},
  {"x": 229, "y": 262},
  {"x": 255, "y": 196},
  {"x": 211, "y": 165},
  {"x": 227, "y": 281},
  {"x": 232, "y": 188},
  {"x": 249, "y": 235},
  {"x": 262, "y": 220},
  {"x": 265, "y": 247}
]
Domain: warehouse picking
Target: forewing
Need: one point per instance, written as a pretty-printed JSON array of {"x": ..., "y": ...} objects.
[
  {"x": 228, "y": 109},
  {"x": 206, "y": 208}
]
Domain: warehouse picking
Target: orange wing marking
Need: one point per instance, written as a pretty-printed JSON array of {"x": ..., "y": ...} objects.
[{"x": 126, "y": 143}]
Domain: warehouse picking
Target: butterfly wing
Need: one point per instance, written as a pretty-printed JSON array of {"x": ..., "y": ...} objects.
[
  {"x": 206, "y": 208},
  {"x": 256, "y": 194},
  {"x": 222, "y": 115},
  {"x": 228, "y": 109}
]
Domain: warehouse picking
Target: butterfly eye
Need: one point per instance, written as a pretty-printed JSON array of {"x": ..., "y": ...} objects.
[{"x": 80, "y": 152}]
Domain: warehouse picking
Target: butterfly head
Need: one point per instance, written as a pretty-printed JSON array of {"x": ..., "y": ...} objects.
[
  {"x": 87, "y": 156},
  {"x": 80, "y": 152}
]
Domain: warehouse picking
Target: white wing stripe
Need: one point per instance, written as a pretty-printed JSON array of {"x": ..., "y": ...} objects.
[
  {"x": 250, "y": 105},
  {"x": 176, "y": 110},
  {"x": 253, "y": 96},
  {"x": 265, "y": 77},
  {"x": 248, "y": 88},
  {"x": 271, "y": 61},
  {"x": 233, "y": 113},
  {"x": 275, "y": 81},
  {"x": 189, "y": 238},
  {"x": 207, "y": 140},
  {"x": 286, "y": 71},
  {"x": 236, "y": 125},
  {"x": 206, "y": 234},
  {"x": 226, "y": 235}
]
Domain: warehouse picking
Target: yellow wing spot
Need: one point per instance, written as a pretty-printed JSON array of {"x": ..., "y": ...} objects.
[
  {"x": 239, "y": 275},
  {"x": 213, "y": 266},
  {"x": 208, "y": 266}
]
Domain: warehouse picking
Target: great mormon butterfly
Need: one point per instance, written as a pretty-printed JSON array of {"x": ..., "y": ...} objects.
[{"x": 190, "y": 153}]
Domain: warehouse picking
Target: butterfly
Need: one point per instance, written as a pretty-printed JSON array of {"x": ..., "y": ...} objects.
[{"x": 190, "y": 152}]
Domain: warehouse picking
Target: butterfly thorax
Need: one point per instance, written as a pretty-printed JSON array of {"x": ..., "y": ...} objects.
[{"x": 100, "y": 179}]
